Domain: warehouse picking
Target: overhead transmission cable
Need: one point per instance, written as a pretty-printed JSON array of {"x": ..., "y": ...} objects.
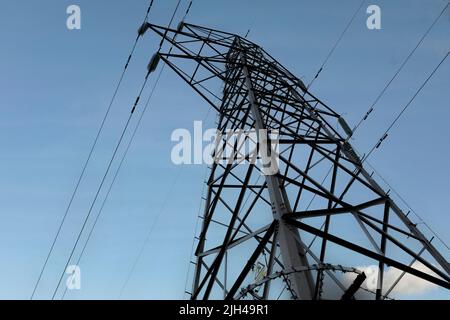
[
  {"x": 377, "y": 99},
  {"x": 116, "y": 173},
  {"x": 435, "y": 234},
  {"x": 152, "y": 227},
  {"x": 391, "y": 125},
  {"x": 398, "y": 116},
  {"x": 336, "y": 44},
  {"x": 174, "y": 182},
  {"x": 110, "y": 163},
  {"x": 129, "y": 143},
  {"x": 147, "y": 104},
  {"x": 372, "y": 107},
  {"x": 89, "y": 155},
  {"x": 103, "y": 180},
  {"x": 385, "y": 135},
  {"x": 150, "y": 232}
]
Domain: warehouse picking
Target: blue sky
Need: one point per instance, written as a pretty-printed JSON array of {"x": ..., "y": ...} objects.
[{"x": 56, "y": 84}]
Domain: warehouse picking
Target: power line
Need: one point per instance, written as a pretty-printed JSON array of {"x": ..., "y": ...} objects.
[
  {"x": 371, "y": 108},
  {"x": 117, "y": 171},
  {"x": 115, "y": 175},
  {"x": 385, "y": 134},
  {"x": 136, "y": 260},
  {"x": 250, "y": 27},
  {"x": 394, "y": 76},
  {"x": 150, "y": 232},
  {"x": 174, "y": 182},
  {"x": 336, "y": 44},
  {"x": 437, "y": 236},
  {"x": 171, "y": 20},
  {"x": 129, "y": 144},
  {"x": 103, "y": 180},
  {"x": 89, "y": 155}
]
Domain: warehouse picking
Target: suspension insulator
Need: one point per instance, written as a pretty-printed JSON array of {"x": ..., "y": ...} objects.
[
  {"x": 153, "y": 64},
  {"x": 302, "y": 85},
  {"x": 344, "y": 125},
  {"x": 142, "y": 29},
  {"x": 180, "y": 26}
]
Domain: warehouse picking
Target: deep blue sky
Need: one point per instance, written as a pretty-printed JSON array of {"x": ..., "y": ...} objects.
[{"x": 55, "y": 85}]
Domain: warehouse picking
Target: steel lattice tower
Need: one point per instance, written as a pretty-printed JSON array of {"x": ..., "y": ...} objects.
[{"x": 261, "y": 234}]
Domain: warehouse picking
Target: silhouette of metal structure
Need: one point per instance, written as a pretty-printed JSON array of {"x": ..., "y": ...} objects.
[{"x": 286, "y": 234}]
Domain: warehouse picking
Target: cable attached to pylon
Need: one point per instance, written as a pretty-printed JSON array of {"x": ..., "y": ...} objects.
[
  {"x": 116, "y": 174},
  {"x": 435, "y": 234},
  {"x": 102, "y": 181},
  {"x": 170, "y": 23},
  {"x": 336, "y": 44},
  {"x": 372, "y": 107},
  {"x": 89, "y": 155},
  {"x": 187, "y": 10},
  {"x": 129, "y": 143},
  {"x": 174, "y": 182},
  {"x": 385, "y": 134}
]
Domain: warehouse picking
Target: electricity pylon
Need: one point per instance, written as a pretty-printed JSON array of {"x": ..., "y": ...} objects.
[{"x": 292, "y": 232}]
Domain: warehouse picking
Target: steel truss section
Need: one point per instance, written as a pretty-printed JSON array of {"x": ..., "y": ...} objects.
[{"x": 320, "y": 206}]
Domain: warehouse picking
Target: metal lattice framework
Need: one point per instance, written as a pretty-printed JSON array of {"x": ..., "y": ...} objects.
[{"x": 298, "y": 216}]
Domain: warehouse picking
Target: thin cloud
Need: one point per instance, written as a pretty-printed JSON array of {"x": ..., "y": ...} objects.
[{"x": 408, "y": 285}]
